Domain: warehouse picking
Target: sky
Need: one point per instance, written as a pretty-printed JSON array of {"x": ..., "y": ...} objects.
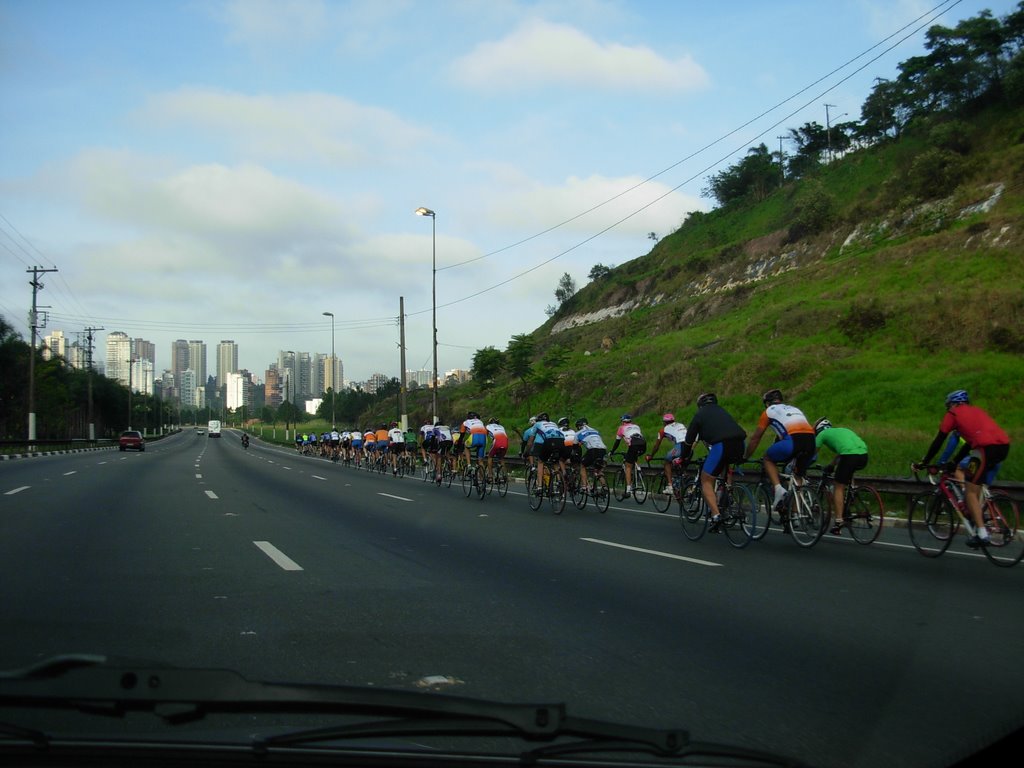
[{"x": 232, "y": 169}]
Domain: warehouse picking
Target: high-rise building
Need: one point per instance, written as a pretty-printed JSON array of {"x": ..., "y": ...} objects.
[
  {"x": 144, "y": 350},
  {"x": 179, "y": 358},
  {"x": 197, "y": 359},
  {"x": 119, "y": 352},
  {"x": 187, "y": 387},
  {"x": 376, "y": 382},
  {"x": 54, "y": 345},
  {"x": 239, "y": 386},
  {"x": 332, "y": 374},
  {"x": 78, "y": 355},
  {"x": 304, "y": 369},
  {"x": 227, "y": 361},
  {"x": 319, "y": 374},
  {"x": 273, "y": 388}
]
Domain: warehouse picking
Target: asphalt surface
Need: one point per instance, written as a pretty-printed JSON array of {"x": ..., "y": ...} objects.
[{"x": 283, "y": 567}]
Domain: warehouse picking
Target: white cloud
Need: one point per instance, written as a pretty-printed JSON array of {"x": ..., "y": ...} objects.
[
  {"x": 260, "y": 23},
  {"x": 309, "y": 127},
  {"x": 545, "y": 53}
]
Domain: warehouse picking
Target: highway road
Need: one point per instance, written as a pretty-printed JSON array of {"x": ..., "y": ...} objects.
[{"x": 197, "y": 552}]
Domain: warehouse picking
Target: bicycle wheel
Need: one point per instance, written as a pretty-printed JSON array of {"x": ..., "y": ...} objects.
[
  {"x": 639, "y": 485},
  {"x": 693, "y": 511},
  {"x": 601, "y": 493},
  {"x": 556, "y": 495},
  {"x": 449, "y": 473},
  {"x": 479, "y": 481},
  {"x": 619, "y": 485},
  {"x": 932, "y": 523},
  {"x": 740, "y": 518},
  {"x": 764, "y": 499},
  {"x": 501, "y": 482},
  {"x": 864, "y": 514},
  {"x": 1006, "y": 547},
  {"x": 579, "y": 493},
  {"x": 806, "y": 520},
  {"x": 533, "y": 492},
  {"x": 661, "y": 494}
]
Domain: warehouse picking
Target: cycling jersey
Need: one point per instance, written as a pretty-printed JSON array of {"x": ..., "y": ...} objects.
[
  {"x": 785, "y": 420},
  {"x": 548, "y": 430},
  {"x": 442, "y": 433},
  {"x": 498, "y": 435},
  {"x": 629, "y": 432},
  {"x": 974, "y": 425},
  {"x": 841, "y": 441},
  {"x": 590, "y": 438},
  {"x": 674, "y": 432},
  {"x": 476, "y": 430}
]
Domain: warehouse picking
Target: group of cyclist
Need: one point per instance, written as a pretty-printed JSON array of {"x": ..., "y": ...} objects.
[{"x": 975, "y": 447}]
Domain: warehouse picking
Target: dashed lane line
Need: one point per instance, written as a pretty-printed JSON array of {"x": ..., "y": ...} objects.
[
  {"x": 655, "y": 552},
  {"x": 211, "y": 494},
  {"x": 17, "y": 490},
  {"x": 279, "y": 557}
]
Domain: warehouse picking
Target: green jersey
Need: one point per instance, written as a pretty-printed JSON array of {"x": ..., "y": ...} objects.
[{"x": 841, "y": 441}]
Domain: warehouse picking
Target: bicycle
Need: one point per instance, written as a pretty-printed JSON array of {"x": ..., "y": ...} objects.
[
  {"x": 552, "y": 487},
  {"x": 473, "y": 479},
  {"x": 499, "y": 481},
  {"x": 639, "y": 484},
  {"x": 596, "y": 488},
  {"x": 736, "y": 507},
  {"x": 665, "y": 493},
  {"x": 800, "y": 510},
  {"x": 863, "y": 512},
  {"x": 933, "y": 511}
]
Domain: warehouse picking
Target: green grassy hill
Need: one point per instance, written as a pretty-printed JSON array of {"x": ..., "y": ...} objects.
[{"x": 866, "y": 292}]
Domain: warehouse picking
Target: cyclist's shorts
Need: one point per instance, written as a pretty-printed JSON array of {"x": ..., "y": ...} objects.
[
  {"x": 593, "y": 456},
  {"x": 722, "y": 454},
  {"x": 357, "y": 443},
  {"x": 430, "y": 444},
  {"x": 547, "y": 451},
  {"x": 848, "y": 464},
  {"x": 675, "y": 453},
  {"x": 635, "y": 450},
  {"x": 476, "y": 451},
  {"x": 498, "y": 451},
  {"x": 397, "y": 448},
  {"x": 983, "y": 463},
  {"x": 444, "y": 447},
  {"x": 798, "y": 448}
]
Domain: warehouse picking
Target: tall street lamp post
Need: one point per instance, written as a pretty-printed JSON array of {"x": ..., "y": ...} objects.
[
  {"x": 433, "y": 280},
  {"x": 334, "y": 368}
]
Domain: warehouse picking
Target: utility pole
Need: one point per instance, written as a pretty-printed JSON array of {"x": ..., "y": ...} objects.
[
  {"x": 828, "y": 130},
  {"x": 88, "y": 378},
  {"x": 782, "y": 164},
  {"x": 401, "y": 346},
  {"x": 33, "y": 321}
]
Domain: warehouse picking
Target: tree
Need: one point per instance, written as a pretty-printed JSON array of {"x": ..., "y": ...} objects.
[
  {"x": 752, "y": 178},
  {"x": 289, "y": 413},
  {"x": 600, "y": 272},
  {"x": 519, "y": 356},
  {"x": 812, "y": 141},
  {"x": 566, "y": 288},
  {"x": 487, "y": 364}
]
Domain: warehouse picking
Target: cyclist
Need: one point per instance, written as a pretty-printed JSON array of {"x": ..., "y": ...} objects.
[
  {"x": 675, "y": 433},
  {"x": 637, "y": 444},
  {"x": 245, "y": 440},
  {"x": 987, "y": 446},
  {"x": 589, "y": 438},
  {"x": 724, "y": 437},
  {"x": 499, "y": 446},
  {"x": 396, "y": 445},
  {"x": 298, "y": 441},
  {"x": 335, "y": 443},
  {"x": 441, "y": 446},
  {"x": 851, "y": 455},
  {"x": 794, "y": 441},
  {"x": 369, "y": 446},
  {"x": 426, "y": 440},
  {"x": 545, "y": 442},
  {"x": 356, "y": 442},
  {"x": 411, "y": 438},
  {"x": 474, "y": 436}
]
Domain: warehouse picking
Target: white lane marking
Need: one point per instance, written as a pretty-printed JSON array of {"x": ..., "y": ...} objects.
[
  {"x": 198, "y": 476},
  {"x": 17, "y": 490},
  {"x": 318, "y": 477},
  {"x": 278, "y": 556},
  {"x": 653, "y": 552},
  {"x": 211, "y": 494},
  {"x": 392, "y": 496},
  {"x": 101, "y": 462},
  {"x": 72, "y": 472},
  {"x": 284, "y": 467}
]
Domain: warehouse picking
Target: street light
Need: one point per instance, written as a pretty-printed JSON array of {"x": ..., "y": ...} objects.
[
  {"x": 433, "y": 238},
  {"x": 334, "y": 384}
]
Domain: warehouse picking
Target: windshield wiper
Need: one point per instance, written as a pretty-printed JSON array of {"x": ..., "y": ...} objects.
[{"x": 99, "y": 685}]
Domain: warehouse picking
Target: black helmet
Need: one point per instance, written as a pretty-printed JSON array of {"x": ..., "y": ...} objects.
[
  {"x": 543, "y": 416},
  {"x": 563, "y": 422},
  {"x": 708, "y": 398},
  {"x": 472, "y": 415},
  {"x": 822, "y": 424},
  {"x": 581, "y": 422},
  {"x": 772, "y": 396}
]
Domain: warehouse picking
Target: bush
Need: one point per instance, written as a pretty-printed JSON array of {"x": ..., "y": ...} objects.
[
  {"x": 862, "y": 320},
  {"x": 935, "y": 173},
  {"x": 813, "y": 210},
  {"x": 951, "y": 136}
]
